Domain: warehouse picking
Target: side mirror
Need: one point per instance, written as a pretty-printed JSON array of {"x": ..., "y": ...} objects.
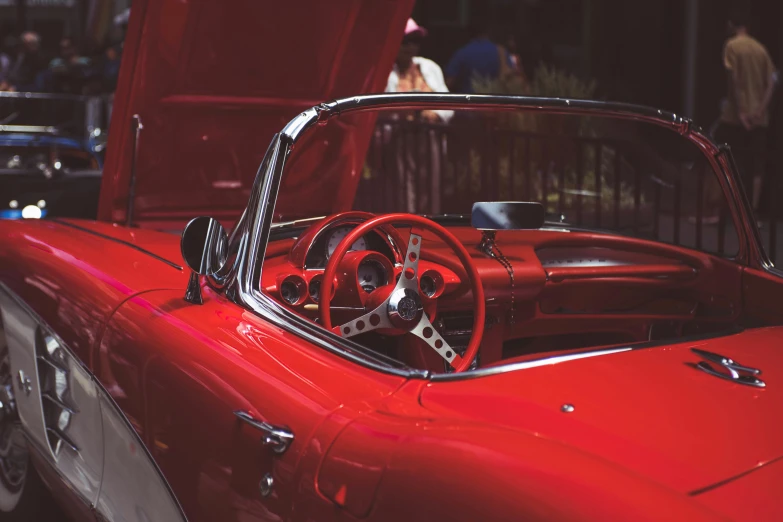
[
  {"x": 204, "y": 247},
  {"x": 507, "y": 215}
]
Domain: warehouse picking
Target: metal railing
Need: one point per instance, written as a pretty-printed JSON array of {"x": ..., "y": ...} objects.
[{"x": 607, "y": 184}]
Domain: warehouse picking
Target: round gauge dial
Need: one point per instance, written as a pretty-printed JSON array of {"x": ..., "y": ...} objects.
[
  {"x": 337, "y": 235},
  {"x": 371, "y": 275}
]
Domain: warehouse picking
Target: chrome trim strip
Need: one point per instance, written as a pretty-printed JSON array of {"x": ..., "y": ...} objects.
[
  {"x": 31, "y": 129},
  {"x": 51, "y": 363},
  {"x": 44, "y": 96},
  {"x": 544, "y": 361},
  {"x": 64, "y": 438},
  {"x": 60, "y": 404},
  {"x": 247, "y": 273},
  {"x": 120, "y": 241},
  {"x": 752, "y": 232},
  {"x": 324, "y": 111}
]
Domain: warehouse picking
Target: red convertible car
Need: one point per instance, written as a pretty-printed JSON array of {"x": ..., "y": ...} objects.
[{"x": 512, "y": 309}]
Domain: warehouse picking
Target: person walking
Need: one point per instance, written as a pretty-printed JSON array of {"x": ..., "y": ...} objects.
[{"x": 745, "y": 114}]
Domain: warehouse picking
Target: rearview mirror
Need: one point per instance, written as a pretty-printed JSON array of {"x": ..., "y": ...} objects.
[
  {"x": 507, "y": 215},
  {"x": 204, "y": 247}
]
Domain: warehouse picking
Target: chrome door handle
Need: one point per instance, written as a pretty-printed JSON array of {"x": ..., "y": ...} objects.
[{"x": 276, "y": 437}]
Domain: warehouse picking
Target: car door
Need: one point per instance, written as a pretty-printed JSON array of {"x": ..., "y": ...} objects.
[{"x": 203, "y": 384}]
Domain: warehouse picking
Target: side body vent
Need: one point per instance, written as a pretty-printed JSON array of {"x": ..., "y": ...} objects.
[
  {"x": 54, "y": 377},
  {"x": 75, "y": 426}
]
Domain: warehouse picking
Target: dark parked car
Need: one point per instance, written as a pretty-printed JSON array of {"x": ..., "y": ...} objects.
[{"x": 51, "y": 155}]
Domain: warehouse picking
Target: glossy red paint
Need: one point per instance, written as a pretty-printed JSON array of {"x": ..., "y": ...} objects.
[
  {"x": 76, "y": 279},
  {"x": 758, "y": 502},
  {"x": 625, "y": 413},
  {"x": 213, "y": 81},
  {"x": 195, "y": 366},
  {"x": 650, "y": 436},
  {"x": 642, "y": 440}
]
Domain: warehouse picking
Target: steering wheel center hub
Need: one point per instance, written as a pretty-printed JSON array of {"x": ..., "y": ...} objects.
[{"x": 405, "y": 308}]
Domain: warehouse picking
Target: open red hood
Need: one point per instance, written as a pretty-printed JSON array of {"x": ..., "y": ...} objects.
[
  {"x": 212, "y": 81},
  {"x": 649, "y": 410}
]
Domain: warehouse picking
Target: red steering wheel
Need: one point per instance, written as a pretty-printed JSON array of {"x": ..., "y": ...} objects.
[{"x": 403, "y": 309}]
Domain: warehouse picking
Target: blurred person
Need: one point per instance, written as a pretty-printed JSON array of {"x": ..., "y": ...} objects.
[
  {"x": 514, "y": 60},
  {"x": 69, "y": 72},
  {"x": 28, "y": 64},
  {"x": 415, "y": 157},
  {"x": 112, "y": 56},
  {"x": 110, "y": 66},
  {"x": 745, "y": 114},
  {"x": 413, "y": 73},
  {"x": 481, "y": 57},
  {"x": 7, "y": 57}
]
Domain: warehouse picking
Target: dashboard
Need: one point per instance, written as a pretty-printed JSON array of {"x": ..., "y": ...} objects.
[
  {"x": 324, "y": 244},
  {"x": 294, "y": 272},
  {"x": 580, "y": 284}
]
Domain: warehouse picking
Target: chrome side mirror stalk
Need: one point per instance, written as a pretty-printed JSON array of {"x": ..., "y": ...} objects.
[{"x": 204, "y": 247}]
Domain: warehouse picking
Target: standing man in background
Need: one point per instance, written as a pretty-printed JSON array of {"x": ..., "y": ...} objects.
[
  {"x": 479, "y": 58},
  {"x": 745, "y": 115}
]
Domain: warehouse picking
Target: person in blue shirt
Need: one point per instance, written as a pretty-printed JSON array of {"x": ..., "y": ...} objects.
[{"x": 480, "y": 57}]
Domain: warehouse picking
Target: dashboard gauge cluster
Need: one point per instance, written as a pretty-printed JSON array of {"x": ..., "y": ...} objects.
[
  {"x": 324, "y": 245},
  {"x": 431, "y": 283},
  {"x": 427, "y": 285},
  {"x": 293, "y": 290},
  {"x": 314, "y": 290},
  {"x": 371, "y": 275},
  {"x": 334, "y": 237},
  {"x": 372, "y": 262}
]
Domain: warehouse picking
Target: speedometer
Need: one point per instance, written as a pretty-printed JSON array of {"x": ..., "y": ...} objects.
[
  {"x": 371, "y": 275},
  {"x": 337, "y": 235}
]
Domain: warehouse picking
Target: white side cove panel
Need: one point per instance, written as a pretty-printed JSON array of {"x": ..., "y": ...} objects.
[
  {"x": 20, "y": 329},
  {"x": 132, "y": 489},
  {"x": 73, "y": 422}
]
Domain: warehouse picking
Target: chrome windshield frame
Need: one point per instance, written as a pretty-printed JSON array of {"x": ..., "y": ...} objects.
[{"x": 254, "y": 229}]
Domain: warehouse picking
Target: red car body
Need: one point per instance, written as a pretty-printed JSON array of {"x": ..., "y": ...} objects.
[{"x": 628, "y": 432}]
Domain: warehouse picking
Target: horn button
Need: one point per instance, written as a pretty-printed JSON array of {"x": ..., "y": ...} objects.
[{"x": 405, "y": 308}]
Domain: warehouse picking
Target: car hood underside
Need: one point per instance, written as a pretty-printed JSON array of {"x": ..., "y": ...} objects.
[{"x": 649, "y": 410}]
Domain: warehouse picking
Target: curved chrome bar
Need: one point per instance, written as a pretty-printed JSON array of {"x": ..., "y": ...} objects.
[{"x": 296, "y": 127}]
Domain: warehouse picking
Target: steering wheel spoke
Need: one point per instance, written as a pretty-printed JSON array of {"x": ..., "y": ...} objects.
[
  {"x": 410, "y": 269},
  {"x": 427, "y": 333},
  {"x": 373, "y": 320}
]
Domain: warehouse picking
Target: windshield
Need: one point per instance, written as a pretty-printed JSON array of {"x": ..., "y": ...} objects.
[{"x": 588, "y": 171}]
